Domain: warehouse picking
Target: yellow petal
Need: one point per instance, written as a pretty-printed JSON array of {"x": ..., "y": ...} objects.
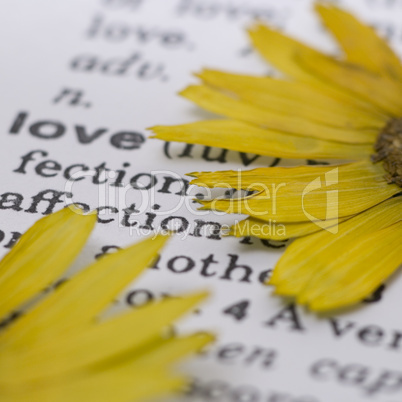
[
  {"x": 246, "y": 138},
  {"x": 293, "y": 99},
  {"x": 310, "y": 254},
  {"x": 43, "y": 253},
  {"x": 259, "y": 178},
  {"x": 283, "y": 52},
  {"x": 149, "y": 368},
  {"x": 220, "y": 103},
  {"x": 342, "y": 191},
  {"x": 95, "y": 288},
  {"x": 118, "y": 385},
  {"x": 274, "y": 230},
  {"x": 380, "y": 91},
  {"x": 132, "y": 378},
  {"x": 360, "y": 269},
  {"x": 279, "y": 50},
  {"x": 63, "y": 353},
  {"x": 360, "y": 42}
]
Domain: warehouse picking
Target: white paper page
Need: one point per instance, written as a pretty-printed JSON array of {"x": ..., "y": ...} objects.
[{"x": 77, "y": 74}]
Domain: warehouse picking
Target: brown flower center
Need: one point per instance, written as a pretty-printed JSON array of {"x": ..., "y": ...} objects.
[{"x": 389, "y": 150}]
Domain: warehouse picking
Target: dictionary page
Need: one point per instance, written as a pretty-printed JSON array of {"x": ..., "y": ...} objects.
[{"x": 81, "y": 81}]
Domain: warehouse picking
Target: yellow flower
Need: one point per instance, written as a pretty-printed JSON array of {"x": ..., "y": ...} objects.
[
  {"x": 59, "y": 350},
  {"x": 321, "y": 107}
]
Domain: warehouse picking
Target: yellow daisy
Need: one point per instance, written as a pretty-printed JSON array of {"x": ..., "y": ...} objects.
[
  {"x": 59, "y": 350},
  {"x": 346, "y": 218}
]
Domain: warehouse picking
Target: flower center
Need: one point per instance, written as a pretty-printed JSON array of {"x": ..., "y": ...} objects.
[{"x": 389, "y": 150}]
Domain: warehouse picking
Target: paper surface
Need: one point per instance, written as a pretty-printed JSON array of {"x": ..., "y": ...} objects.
[{"x": 80, "y": 83}]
